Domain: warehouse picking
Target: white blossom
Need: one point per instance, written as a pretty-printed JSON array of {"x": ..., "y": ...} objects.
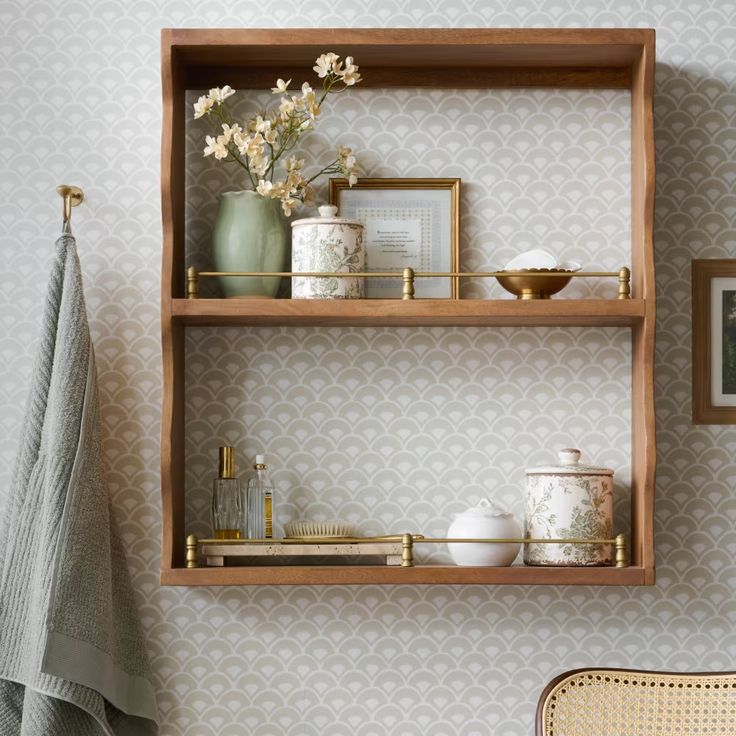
[
  {"x": 287, "y": 205},
  {"x": 261, "y": 125},
  {"x": 325, "y": 64},
  {"x": 219, "y": 95},
  {"x": 351, "y": 78},
  {"x": 280, "y": 87},
  {"x": 287, "y": 106},
  {"x": 259, "y": 164},
  {"x": 253, "y": 147},
  {"x": 216, "y": 146},
  {"x": 266, "y": 189},
  {"x": 202, "y": 106},
  {"x": 293, "y": 163},
  {"x": 229, "y": 131}
]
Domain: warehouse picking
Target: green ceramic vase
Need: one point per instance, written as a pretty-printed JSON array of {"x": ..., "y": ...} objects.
[{"x": 250, "y": 234}]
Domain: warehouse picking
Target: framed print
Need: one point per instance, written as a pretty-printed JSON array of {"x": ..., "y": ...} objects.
[
  {"x": 408, "y": 223},
  {"x": 714, "y": 341}
]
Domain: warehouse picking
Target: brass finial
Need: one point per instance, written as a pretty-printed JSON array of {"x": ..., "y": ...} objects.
[
  {"x": 192, "y": 283},
  {"x": 192, "y": 551},
  {"x": 624, "y": 283},
  {"x": 227, "y": 462},
  {"x": 407, "y": 553},
  {"x": 622, "y": 556},
  {"x": 408, "y": 292}
]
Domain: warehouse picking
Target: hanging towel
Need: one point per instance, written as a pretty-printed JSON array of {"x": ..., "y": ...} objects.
[{"x": 72, "y": 655}]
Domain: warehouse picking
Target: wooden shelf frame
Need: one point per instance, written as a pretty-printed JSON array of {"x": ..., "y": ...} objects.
[
  {"x": 415, "y": 312},
  {"x": 419, "y": 575},
  {"x": 431, "y": 58}
]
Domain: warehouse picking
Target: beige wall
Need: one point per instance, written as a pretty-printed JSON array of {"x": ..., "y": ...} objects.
[{"x": 82, "y": 104}]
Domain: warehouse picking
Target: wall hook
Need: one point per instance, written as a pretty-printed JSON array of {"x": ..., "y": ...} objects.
[{"x": 72, "y": 196}]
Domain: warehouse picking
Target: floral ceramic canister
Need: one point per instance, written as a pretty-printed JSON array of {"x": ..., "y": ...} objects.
[
  {"x": 327, "y": 243},
  {"x": 566, "y": 501},
  {"x": 487, "y": 520}
]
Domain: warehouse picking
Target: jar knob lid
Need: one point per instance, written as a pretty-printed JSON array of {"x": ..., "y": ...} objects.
[
  {"x": 327, "y": 210},
  {"x": 490, "y": 508},
  {"x": 569, "y": 456}
]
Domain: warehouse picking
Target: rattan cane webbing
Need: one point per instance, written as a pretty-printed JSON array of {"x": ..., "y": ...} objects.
[{"x": 623, "y": 703}]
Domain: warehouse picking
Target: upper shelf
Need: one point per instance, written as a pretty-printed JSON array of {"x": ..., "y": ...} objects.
[
  {"x": 397, "y": 312},
  {"x": 473, "y": 57}
]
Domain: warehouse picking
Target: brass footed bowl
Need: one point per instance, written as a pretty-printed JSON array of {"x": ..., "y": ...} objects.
[{"x": 524, "y": 286}]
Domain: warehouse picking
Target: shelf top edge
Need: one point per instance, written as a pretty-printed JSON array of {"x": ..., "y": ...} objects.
[
  {"x": 409, "y": 36},
  {"x": 413, "y": 306},
  {"x": 425, "y": 48}
]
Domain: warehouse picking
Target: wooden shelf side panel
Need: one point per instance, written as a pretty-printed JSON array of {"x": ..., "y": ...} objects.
[
  {"x": 172, "y": 284},
  {"x": 643, "y": 286}
]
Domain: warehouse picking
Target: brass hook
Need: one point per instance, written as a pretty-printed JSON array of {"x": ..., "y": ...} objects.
[{"x": 72, "y": 196}]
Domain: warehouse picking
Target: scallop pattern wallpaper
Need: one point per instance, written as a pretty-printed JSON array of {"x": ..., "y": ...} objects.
[{"x": 394, "y": 426}]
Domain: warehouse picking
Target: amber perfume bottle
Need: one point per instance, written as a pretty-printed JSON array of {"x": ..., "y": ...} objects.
[
  {"x": 259, "y": 501},
  {"x": 227, "y": 499}
]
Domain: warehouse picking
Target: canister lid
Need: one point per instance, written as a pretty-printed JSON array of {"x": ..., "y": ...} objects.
[
  {"x": 569, "y": 458},
  {"x": 484, "y": 510},
  {"x": 327, "y": 216}
]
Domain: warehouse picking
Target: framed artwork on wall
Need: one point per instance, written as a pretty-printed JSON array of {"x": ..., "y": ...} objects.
[
  {"x": 714, "y": 341},
  {"x": 408, "y": 223}
]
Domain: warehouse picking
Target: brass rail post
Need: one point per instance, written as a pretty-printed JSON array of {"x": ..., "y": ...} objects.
[
  {"x": 408, "y": 278},
  {"x": 192, "y": 551},
  {"x": 407, "y": 555},
  {"x": 192, "y": 283},
  {"x": 622, "y": 556},
  {"x": 624, "y": 283}
]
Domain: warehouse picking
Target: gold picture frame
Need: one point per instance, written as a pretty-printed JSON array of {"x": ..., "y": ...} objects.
[
  {"x": 432, "y": 254},
  {"x": 713, "y": 341}
]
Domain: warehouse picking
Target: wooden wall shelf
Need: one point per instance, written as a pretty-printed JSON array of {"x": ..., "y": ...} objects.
[
  {"x": 481, "y": 312},
  {"x": 419, "y": 575},
  {"x": 431, "y": 58}
]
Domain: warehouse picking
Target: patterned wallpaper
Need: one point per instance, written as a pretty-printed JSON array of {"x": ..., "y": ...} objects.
[{"x": 82, "y": 92}]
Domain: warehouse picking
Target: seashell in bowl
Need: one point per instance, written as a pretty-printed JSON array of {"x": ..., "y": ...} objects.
[
  {"x": 536, "y": 259},
  {"x": 305, "y": 529},
  {"x": 523, "y": 285}
]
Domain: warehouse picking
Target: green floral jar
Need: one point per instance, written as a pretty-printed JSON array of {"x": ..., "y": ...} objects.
[
  {"x": 328, "y": 244},
  {"x": 566, "y": 501}
]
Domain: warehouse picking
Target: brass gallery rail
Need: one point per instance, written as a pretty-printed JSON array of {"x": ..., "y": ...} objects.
[
  {"x": 408, "y": 541},
  {"x": 408, "y": 275}
]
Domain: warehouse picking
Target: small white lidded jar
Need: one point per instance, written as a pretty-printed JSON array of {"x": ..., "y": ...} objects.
[
  {"x": 567, "y": 501},
  {"x": 327, "y": 243},
  {"x": 487, "y": 520}
]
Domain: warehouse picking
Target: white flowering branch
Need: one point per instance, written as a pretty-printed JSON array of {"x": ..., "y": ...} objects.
[{"x": 265, "y": 139}]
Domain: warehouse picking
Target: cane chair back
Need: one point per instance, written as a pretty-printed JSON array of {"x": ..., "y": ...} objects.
[{"x": 611, "y": 702}]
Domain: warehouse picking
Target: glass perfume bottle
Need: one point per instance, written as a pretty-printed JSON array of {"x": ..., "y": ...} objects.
[
  {"x": 227, "y": 498},
  {"x": 259, "y": 502}
]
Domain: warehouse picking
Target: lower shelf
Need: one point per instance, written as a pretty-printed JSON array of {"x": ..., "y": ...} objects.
[{"x": 419, "y": 575}]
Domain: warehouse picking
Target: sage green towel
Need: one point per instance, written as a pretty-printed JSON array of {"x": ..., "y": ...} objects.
[{"x": 72, "y": 656}]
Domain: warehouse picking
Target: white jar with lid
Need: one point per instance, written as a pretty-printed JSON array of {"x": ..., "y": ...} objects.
[
  {"x": 487, "y": 520},
  {"x": 327, "y": 243},
  {"x": 566, "y": 501}
]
